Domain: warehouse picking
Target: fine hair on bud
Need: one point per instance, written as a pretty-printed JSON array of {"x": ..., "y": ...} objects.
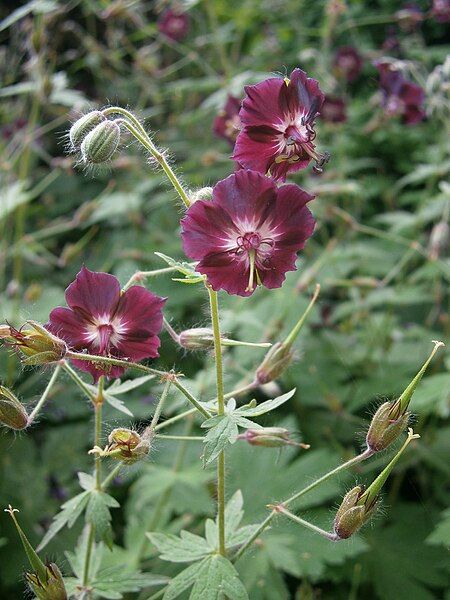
[
  {"x": 101, "y": 143},
  {"x": 83, "y": 126}
]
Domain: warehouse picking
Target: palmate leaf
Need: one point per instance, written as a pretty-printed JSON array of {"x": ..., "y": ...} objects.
[
  {"x": 118, "y": 388},
  {"x": 224, "y": 429},
  {"x": 111, "y": 582},
  {"x": 212, "y": 578},
  {"x": 97, "y": 513},
  {"x": 186, "y": 548},
  {"x": 70, "y": 512},
  {"x": 441, "y": 534}
]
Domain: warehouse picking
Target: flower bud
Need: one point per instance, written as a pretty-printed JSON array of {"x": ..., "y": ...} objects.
[
  {"x": 388, "y": 423},
  {"x": 100, "y": 144},
  {"x": 276, "y": 361},
  {"x": 36, "y": 345},
  {"x": 52, "y": 588},
  {"x": 127, "y": 445},
  {"x": 204, "y": 193},
  {"x": 83, "y": 126},
  {"x": 351, "y": 514},
  {"x": 12, "y": 411},
  {"x": 269, "y": 437},
  {"x": 198, "y": 338}
]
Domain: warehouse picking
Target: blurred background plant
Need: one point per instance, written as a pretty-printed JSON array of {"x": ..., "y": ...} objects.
[{"x": 380, "y": 253}]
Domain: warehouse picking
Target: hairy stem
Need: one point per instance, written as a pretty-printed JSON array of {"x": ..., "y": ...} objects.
[
  {"x": 353, "y": 461},
  {"x": 44, "y": 396},
  {"x": 135, "y": 128},
  {"x": 220, "y": 410}
]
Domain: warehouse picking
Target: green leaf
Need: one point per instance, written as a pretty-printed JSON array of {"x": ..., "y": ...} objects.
[
  {"x": 97, "y": 513},
  {"x": 186, "y": 548},
  {"x": 71, "y": 510},
  {"x": 87, "y": 482},
  {"x": 223, "y": 432},
  {"x": 111, "y": 582},
  {"x": 183, "y": 267},
  {"x": 265, "y": 407},
  {"x": 441, "y": 534},
  {"x": 118, "y": 388},
  {"x": 217, "y": 578},
  {"x": 182, "y": 581}
]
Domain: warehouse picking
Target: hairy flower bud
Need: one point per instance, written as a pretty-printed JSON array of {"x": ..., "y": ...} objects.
[
  {"x": 198, "y": 338},
  {"x": 352, "y": 513},
  {"x": 12, "y": 411},
  {"x": 127, "y": 445},
  {"x": 269, "y": 437},
  {"x": 36, "y": 345},
  {"x": 83, "y": 126},
  {"x": 388, "y": 423},
  {"x": 276, "y": 361},
  {"x": 204, "y": 193},
  {"x": 101, "y": 143},
  {"x": 52, "y": 588}
]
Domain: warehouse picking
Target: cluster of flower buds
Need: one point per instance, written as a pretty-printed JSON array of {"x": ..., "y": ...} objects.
[
  {"x": 281, "y": 354},
  {"x": 35, "y": 344},
  {"x": 12, "y": 411},
  {"x": 391, "y": 418},
  {"x": 95, "y": 137},
  {"x": 270, "y": 437},
  {"x": 45, "y": 580},
  {"x": 359, "y": 504},
  {"x": 126, "y": 445}
]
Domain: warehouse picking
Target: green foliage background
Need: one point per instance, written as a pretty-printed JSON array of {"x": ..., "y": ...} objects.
[{"x": 383, "y": 298}]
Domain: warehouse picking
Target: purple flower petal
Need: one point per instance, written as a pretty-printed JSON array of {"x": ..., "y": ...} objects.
[{"x": 93, "y": 294}]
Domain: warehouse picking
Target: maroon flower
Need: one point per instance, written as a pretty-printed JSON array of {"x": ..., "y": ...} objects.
[
  {"x": 101, "y": 320},
  {"x": 400, "y": 96},
  {"x": 278, "y": 125},
  {"x": 249, "y": 233},
  {"x": 227, "y": 123},
  {"x": 441, "y": 11},
  {"x": 348, "y": 63},
  {"x": 174, "y": 24},
  {"x": 334, "y": 110}
]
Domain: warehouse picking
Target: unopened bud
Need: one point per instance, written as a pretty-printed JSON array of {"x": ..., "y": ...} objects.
[
  {"x": 388, "y": 423},
  {"x": 439, "y": 239},
  {"x": 36, "y": 345},
  {"x": 52, "y": 588},
  {"x": 269, "y": 437},
  {"x": 276, "y": 361},
  {"x": 352, "y": 513},
  {"x": 101, "y": 143},
  {"x": 83, "y": 126},
  {"x": 198, "y": 338},
  {"x": 204, "y": 193},
  {"x": 12, "y": 411},
  {"x": 127, "y": 445}
]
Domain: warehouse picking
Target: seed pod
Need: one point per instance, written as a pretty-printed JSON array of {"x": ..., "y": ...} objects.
[
  {"x": 83, "y": 126},
  {"x": 351, "y": 514},
  {"x": 101, "y": 143},
  {"x": 388, "y": 423},
  {"x": 12, "y": 411},
  {"x": 276, "y": 361},
  {"x": 127, "y": 445},
  {"x": 36, "y": 345},
  {"x": 52, "y": 588}
]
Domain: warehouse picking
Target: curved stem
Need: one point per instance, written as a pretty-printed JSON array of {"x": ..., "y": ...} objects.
[
  {"x": 220, "y": 410},
  {"x": 136, "y": 129},
  {"x": 44, "y": 396},
  {"x": 353, "y": 461}
]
